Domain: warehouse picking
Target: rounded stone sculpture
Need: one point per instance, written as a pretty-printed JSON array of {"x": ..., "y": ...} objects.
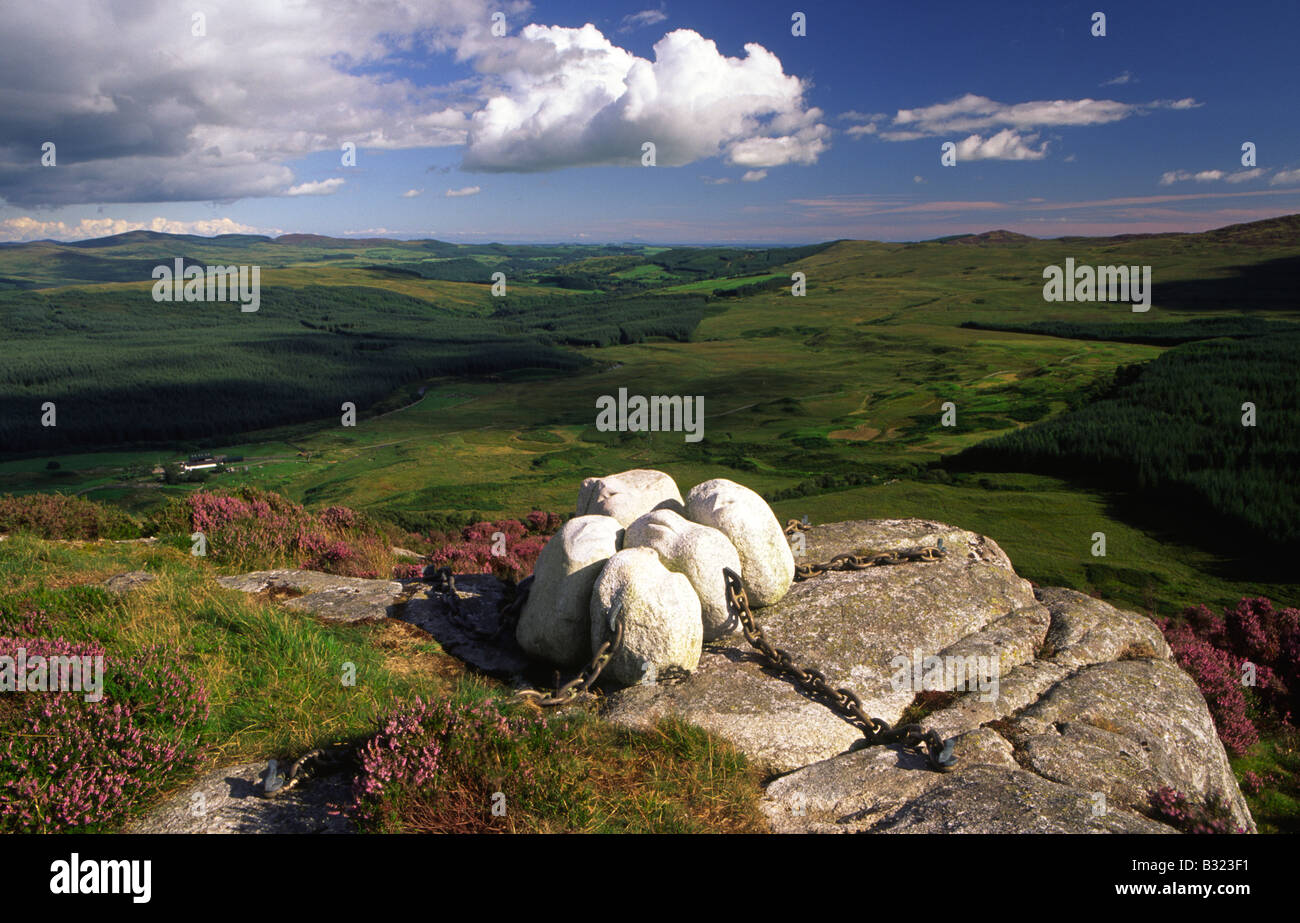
[
  {"x": 767, "y": 564},
  {"x": 628, "y": 495},
  {"x": 555, "y": 623},
  {"x": 660, "y": 612},
  {"x": 699, "y": 553}
]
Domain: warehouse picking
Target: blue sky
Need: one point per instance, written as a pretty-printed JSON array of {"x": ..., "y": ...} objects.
[{"x": 535, "y": 135}]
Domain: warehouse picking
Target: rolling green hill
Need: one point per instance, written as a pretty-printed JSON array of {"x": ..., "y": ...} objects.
[{"x": 471, "y": 405}]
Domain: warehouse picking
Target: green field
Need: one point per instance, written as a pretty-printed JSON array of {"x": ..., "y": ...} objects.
[{"x": 830, "y": 404}]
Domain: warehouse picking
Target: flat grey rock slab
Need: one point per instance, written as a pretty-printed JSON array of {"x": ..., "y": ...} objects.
[
  {"x": 1066, "y": 745},
  {"x": 851, "y": 626},
  {"x": 880, "y": 790},
  {"x": 1126, "y": 728},
  {"x": 730, "y": 694},
  {"x": 337, "y": 599},
  {"x": 226, "y": 801},
  {"x": 852, "y": 792},
  {"x": 1086, "y": 630},
  {"x": 124, "y": 583},
  {"x": 468, "y": 624},
  {"x": 1017, "y": 689},
  {"x": 823, "y": 542},
  {"x": 991, "y": 799}
]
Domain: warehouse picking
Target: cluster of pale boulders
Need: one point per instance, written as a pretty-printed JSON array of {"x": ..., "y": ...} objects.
[{"x": 640, "y": 552}]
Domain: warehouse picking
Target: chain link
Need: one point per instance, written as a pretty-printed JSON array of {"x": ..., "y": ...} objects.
[
  {"x": 581, "y": 683},
  {"x": 844, "y": 701},
  {"x": 925, "y": 553},
  {"x": 274, "y": 784},
  {"x": 515, "y": 607}
]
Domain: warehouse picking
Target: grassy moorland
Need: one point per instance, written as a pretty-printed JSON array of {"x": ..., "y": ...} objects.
[
  {"x": 817, "y": 402},
  {"x": 248, "y": 680},
  {"x": 473, "y": 407}
]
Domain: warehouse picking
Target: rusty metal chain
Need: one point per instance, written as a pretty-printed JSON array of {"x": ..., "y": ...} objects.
[
  {"x": 581, "y": 683},
  {"x": 515, "y": 608},
  {"x": 274, "y": 784},
  {"x": 923, "y": 553},
  {"x": 842, "y": 700}
]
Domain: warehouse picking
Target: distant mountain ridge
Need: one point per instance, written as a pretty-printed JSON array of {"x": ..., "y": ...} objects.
[
  {"x": 1268, "y": 231},
  {"x": 987, "y": 237},
  {"x": 1272, "y": 232}
]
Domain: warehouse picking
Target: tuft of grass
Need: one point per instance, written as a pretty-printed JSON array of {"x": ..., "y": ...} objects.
[
  {"x": 1269, "y": 774},
  {"x": 475, "y": 764},
  {"x": 925, "y": 704}
]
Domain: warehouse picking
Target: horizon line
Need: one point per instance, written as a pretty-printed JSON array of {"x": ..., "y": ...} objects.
[{"x": 646, "y": 243}]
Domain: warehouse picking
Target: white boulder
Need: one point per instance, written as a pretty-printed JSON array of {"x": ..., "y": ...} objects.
[
  {"x": 699, "y": 553},
  {"x": 628, "y": 495},
  {"x": 767, "y": 564},
  {"x": 660, "y": 612},
  {"x": 555, "y": 624}
]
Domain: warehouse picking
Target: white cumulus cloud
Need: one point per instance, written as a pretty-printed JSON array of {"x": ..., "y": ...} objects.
[
  {"x": 319, "y": 187},
  {"x": 1005, "y": 145},
  {"x": 144, "y": 111},
  {"x": 464, "y": 191},
  {"x": 1170, "y": 177},
  {"x": 569, "y": 97},
  {"x": 226, "y": 115},
  {"x": 974, "y": 113},
  {"x": 25, "y": 227},
  {"x": 1015, "y": 126},
  {"x": 634, "y": 21}
]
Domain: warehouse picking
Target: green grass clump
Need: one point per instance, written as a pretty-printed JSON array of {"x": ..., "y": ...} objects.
[
  {"x": 474, "y": 764},
  {"x": 1270, "y": 779}
]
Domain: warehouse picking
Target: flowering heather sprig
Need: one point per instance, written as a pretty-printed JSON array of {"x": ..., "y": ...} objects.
[
  {"x": 471, "y": 551},
  {"x": 66, "y": 763},
  {"x": 339, "y": 517},
  {"x": 25, "y": 621},
  {"x": 1218, "y": 675},
  {"x": 62, "y": 516},
  {"x": 1214, "y": 650},
  {"x": 1253, "y": 783},
  {"x": 1174, "y": 808},
  {"x": 437, "y": 752},
  {"x": 543, "y": 523},
  {"x": 255, "y": 528}
]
